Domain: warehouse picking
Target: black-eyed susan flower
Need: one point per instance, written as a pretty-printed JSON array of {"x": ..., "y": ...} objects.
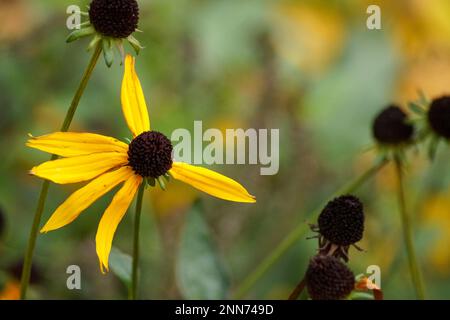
[
  {"x": 340, "y": 225},
  {"x": 110, "y": 22},
  {"x": 390, "y": 127},
  {"x": 327, "y": 278},
  {"x": 107, "y": 162},
  {"x": 433, "y": 120},
  {"x": 393, "y": 133},
  {"x": 439, "y": 117}
]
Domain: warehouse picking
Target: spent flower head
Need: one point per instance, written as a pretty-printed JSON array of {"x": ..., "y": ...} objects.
[
  {"x": 110, "y": 22},
  {"x": 327, "y": 278},
  {"x": 340, "y": 225}
]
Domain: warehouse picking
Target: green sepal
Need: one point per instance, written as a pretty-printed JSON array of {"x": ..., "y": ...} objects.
[
  {"x": 108, "y": 53},
  {"x": 417, "y": 109},
  {"x": 135, "y": 44},
  {"x": 423, "y": 100},
  {"x": 161, "y": 183},
  {"x": 97, "y": 38},
  {"x": 150, "y": 181},
  {"x": 167, "y": 176},
  {"x": 81, "y": 33}
]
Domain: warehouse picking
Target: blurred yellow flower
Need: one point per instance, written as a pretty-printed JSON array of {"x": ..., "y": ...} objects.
[
  {"x": 430, "y": 74},
  {"x": 436, "y": 216},
  {"x": 17, "y": 20},
  {"x": 309, "y": 37},
  {"x": 109, "y": 162}
]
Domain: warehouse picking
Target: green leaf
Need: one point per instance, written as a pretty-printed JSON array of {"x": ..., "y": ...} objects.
[
  {"x": 120, "y": 264},
  {"x": 200, "y": 273}
]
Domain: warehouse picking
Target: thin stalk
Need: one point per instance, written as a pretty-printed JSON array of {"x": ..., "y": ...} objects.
[
  {"x": 28, "y": 260},
  {"x": 137, "y": 222},
  {"x": 299, "y": 231},
  {"x": 298, "y": 290},
  {"x": 414, "y": 268}
]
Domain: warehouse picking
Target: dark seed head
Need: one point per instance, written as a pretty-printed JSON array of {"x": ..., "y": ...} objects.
[
  {"x": 150, "y": 154},
  {"x": 390, "y": 126},
  {"x": 439, "y": 116},
  {"x": 114, "y": 18},
  {"x": 342, "y": 221},
  {"x": 327, "y": 278}
]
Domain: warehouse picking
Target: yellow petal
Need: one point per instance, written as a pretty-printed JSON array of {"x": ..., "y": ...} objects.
[
  {"x": 211, "y": 182},
  {"x": 112, "y": 217},
  {"x": 133, "y": 100},
  {"x": 84, "y": 197},
  {"x": 70, "y": 144},
  {"x": 81, "y": 168}
]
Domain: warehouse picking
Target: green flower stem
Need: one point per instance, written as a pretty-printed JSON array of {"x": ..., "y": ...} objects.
[
  {"x": 137, "y": 222},
  {"x": 299, "y": 231},
  {"x": 28, "y": 260},
  {"x": 414, "y": 269}
]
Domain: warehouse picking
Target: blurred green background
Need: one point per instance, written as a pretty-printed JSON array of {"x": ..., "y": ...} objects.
[{"x": 310, "y": 68}]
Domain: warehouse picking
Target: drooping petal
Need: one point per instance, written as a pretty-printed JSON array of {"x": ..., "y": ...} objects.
[
  {"x": 81, "y": 168},
  {"x": 112, "y": 217},
  {"x": 84, "y": 197},
  {"x": 133, "y": 100},
  {"x": 211, "y": 182},
  {"x": 71, "y": 144}
]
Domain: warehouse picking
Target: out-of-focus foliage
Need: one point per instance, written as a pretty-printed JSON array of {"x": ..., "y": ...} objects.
[
  {"x": 309, "y": 68},
  {"x": 200, "y": 273}
]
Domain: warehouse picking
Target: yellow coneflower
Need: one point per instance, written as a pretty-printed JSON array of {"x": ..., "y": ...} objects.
[{"x": 107, "y": 162}]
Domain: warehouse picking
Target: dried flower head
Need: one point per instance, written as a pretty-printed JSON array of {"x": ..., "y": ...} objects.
[
  {"x": 327, "y": 278},
  {"x": 340, "y": 225}
]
